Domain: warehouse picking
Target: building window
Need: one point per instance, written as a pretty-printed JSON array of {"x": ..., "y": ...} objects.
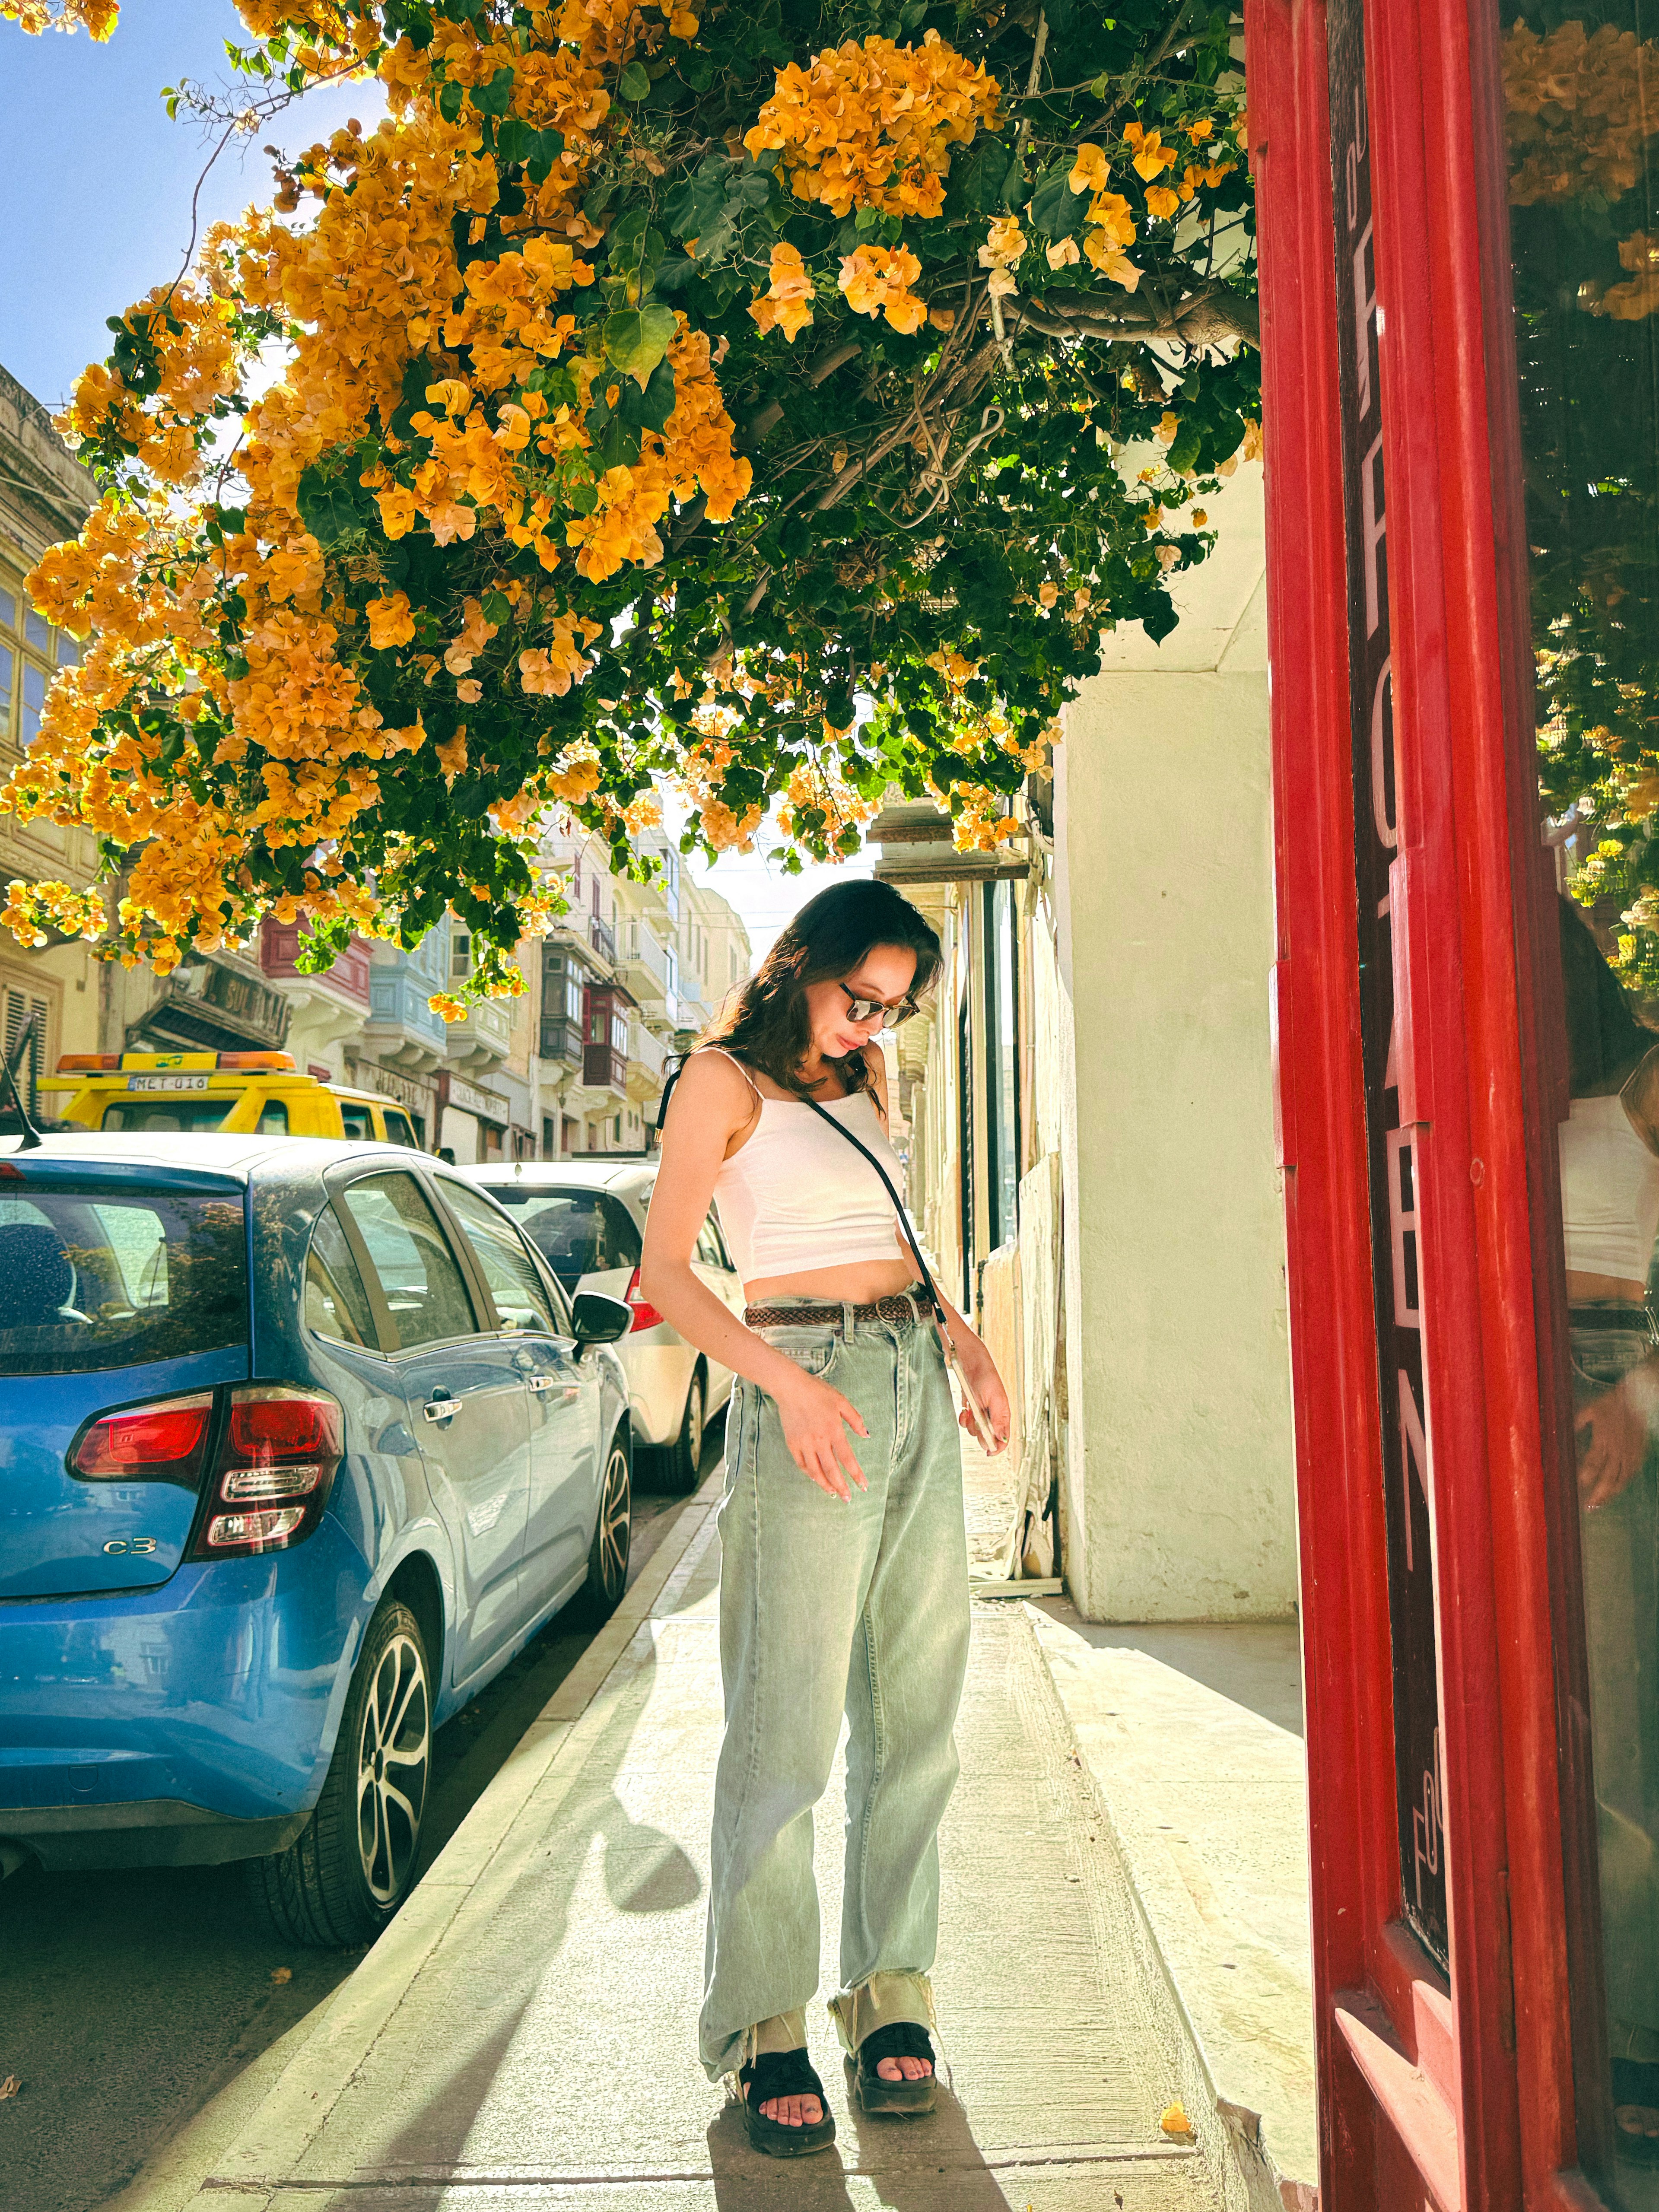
[
  {"x": 1001, "y": 1065},
  {"x": 460, "y": 955},
  {"x": 17, "y": 1008},
  {"x": 8, "y": 665},
  {"x": 617, "y": 1125},
  {"x": 8, "y": 611},
  {"x": 35, "y": 698}
]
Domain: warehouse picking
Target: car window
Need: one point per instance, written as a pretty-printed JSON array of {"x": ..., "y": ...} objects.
[
  {"x": 336, "y": 1305},
  {"x": 398, "y": 1129},
  {"x": 709, "y": 1245},
  {"x": 356, "y": 1120},
  {"x": 273, "y": 1119},
  {"x": 577, "y": 1232},
  {"x": 162, "y": 1115},
  {"x": 91, "y": 1280},
  {"x": 521, "y": 1296},
  {"x": 418, "y": 1273}
]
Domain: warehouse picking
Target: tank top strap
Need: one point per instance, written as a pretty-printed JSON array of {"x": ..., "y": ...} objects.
[{"x": 739, "y": 1065}]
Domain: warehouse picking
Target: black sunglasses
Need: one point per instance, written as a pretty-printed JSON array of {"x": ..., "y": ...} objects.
[{"x": 860, "y": 1011}]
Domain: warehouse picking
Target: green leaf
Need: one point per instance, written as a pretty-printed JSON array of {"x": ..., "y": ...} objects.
[
  {"x": 1056, "y": 209},
  {"x": 328, "y": 509},
  {"x": 632, "y": 84},
  {"x": 636, "y": 338},
  {"x": 449, "y": 102},
  {"x": 496, "y": 97}
]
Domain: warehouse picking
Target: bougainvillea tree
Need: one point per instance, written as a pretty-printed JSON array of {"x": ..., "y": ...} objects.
[{"x": 660, "y": 379}]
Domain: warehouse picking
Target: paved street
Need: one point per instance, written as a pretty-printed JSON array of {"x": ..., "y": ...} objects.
[{"x": 130, "y": 2002}]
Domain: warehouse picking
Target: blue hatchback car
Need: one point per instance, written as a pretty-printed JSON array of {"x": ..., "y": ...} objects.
[{"x": 300, "y": 1442}]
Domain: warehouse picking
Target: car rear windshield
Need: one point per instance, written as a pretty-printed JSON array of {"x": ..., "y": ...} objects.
[
  {"x": 96, "y": 1278},
  {"x": 167, "y": 1114},
  {"x": 577, "y": 1232}
]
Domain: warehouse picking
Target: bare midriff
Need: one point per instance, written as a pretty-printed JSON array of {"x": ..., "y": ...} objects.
[
  {"x": 860, "y": 1284},
  {"x": 1603, "y": 1289}
]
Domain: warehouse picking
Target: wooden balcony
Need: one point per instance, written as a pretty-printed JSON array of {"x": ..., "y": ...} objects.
[{"x": 603, "y": 1068}]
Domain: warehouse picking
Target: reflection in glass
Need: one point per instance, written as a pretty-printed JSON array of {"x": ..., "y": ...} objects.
[{"x": 1581, "y": 90}]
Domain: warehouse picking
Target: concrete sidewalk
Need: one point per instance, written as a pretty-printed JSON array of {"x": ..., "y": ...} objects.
[{"x": 523, "y": 2036}]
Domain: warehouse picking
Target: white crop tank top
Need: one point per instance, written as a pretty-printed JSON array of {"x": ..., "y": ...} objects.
[
  {"x": 796, "y": 1197},
  {"x": 1609, "y": 1191}
]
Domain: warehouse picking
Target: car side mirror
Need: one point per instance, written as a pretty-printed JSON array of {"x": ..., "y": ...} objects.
[{"x": 597, "y": 1319}]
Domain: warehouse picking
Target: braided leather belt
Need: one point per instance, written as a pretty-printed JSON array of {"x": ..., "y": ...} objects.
[{"x": 899, "y": 1310}]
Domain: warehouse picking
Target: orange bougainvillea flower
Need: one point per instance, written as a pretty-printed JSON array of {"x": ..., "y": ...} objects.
[
  {"x": 876, "y": 280},
  {"x": 786, "y": 305},
  {"x": 874, "y": 124}
]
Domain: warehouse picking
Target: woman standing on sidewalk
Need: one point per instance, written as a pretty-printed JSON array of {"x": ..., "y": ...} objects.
[{"x": 844, "y": 1571}]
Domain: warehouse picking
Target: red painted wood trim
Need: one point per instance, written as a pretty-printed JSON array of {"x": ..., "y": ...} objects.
[
  {"x": 1491, "y": 1240},
  {"x": 1350, "y": 1724},
  {"x": 1414, "y": 2105}
]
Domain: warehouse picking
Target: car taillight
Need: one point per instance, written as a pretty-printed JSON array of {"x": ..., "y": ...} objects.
[
  {"x": 645, "y": 1314},
  {"x": 279, "y": 1444},
  {"x": 161, "y": 1442}
]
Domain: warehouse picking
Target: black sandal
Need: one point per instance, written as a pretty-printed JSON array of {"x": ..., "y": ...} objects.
[
  {"x": 1635, "y": 2082},
  {"x": 900, "y": 2099},
  {"x": 784, "y": 2074}
]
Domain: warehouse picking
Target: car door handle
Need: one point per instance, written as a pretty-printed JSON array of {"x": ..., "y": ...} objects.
[
  {"x": 542, "y": 1382},
  {"x": 441, "y": 1406}
]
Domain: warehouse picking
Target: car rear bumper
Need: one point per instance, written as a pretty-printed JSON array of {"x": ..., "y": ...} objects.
[
  {"x": 657, "y": 1363},
  {"x": 159, "y": 1831},
  {"x": 182, "y": 1725}
]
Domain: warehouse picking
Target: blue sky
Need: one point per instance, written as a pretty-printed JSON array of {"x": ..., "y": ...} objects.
[{"x": 95, "y": 205}]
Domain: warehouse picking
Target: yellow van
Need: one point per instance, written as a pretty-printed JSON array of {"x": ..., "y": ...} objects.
[{"x": 261, "y": 1093}]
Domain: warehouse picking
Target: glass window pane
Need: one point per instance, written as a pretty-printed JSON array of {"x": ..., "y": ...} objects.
[
  {"x": 8, "y": 663},
  {"x": 398, "y": 1131},
  {"x": 356, "y": 1120},
  {"x": 515, "y": 1280},
  {"x": 337, "y": 1305},
  {"x": 37, "y": 632},
  {"x": 165, "y": 1116},
  {"x": 273, "y": 1119},
  {"x": 35, "y": 698},
  {"x": 90, "y": 1281},
  {"x": 417, "y": 1272},
  {"x": 7, "y": 611},
  {"x": 577, "y": 1232},
  {"x": 1581, "y": 94}
]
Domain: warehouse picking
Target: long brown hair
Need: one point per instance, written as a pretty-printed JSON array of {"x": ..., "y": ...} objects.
[{"x": 765, "y": 1023}]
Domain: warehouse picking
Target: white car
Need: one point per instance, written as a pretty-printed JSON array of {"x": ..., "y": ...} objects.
[{"x": 586, "y": 1218}]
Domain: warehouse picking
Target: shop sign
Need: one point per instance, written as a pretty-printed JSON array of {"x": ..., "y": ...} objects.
[
  {"x": 417, "y": 1096},
  {"x": 471, "y": 1100},
  {"x": 1396, "y": 1249}
]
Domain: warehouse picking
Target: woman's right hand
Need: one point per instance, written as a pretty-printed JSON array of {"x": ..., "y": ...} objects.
[{"x": 816, "y": 1419}]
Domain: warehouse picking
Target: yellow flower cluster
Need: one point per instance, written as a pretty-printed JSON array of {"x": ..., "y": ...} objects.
[
  {"x": 33, "y": 911},
  {"x": 876, "y": 280},
  {"x": 1579, "y": 110},
  {"x": 1631, "y": 302},
  {"x": 787, "y": 303},
  {"x": 872, "y": 125},
  {"x": 97, "y": 16},
  {"x": 1001, "y": 253},
  {"x": 984, "y": 821}
]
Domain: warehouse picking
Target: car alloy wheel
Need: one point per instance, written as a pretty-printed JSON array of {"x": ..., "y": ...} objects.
[
  {"x": 394, "y": 1753},
  {"x": 616, "y": 1527}
]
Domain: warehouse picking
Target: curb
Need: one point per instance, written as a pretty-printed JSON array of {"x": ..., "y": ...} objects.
[{"x": 280, "y": 2131}]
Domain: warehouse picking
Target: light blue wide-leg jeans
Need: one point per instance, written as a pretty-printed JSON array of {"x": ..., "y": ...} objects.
[{"x": 828, "y": 1608}]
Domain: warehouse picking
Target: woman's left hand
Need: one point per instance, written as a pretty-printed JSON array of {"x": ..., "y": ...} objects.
[
  {"x": 1612, "y": 1441},
  {"x": 979, "y": 1370}
]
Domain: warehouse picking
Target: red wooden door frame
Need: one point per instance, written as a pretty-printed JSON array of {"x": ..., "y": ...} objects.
[{"x": 1477, "y": 2090}]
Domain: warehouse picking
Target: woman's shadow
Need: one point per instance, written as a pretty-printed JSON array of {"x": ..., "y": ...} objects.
[{"x": 928, "y": 2165}]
